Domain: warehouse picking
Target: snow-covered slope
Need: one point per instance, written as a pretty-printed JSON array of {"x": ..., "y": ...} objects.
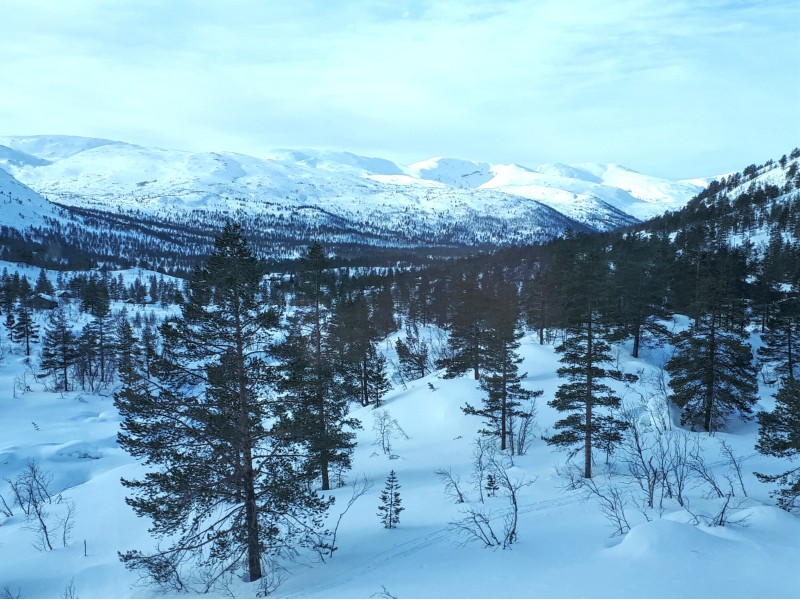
[
  {"x": 495, "y": 204},
  {"x": 20, "y": 206},
  {"x": 563, "y": 547},
  {"x": 583, "y": 189}
]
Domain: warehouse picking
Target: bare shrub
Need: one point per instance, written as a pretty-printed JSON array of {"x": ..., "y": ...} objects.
[{"x": 476, "y": 522}]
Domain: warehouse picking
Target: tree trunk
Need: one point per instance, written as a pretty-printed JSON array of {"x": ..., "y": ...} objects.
[
  {"x": 587, "y": 450},
  {"x": 248, "y": 475},
  {"x": 637, "y": 336},
  {"x": 712, "y": 366}
]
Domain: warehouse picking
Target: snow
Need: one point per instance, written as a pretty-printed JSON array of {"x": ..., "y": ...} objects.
[
  {"x": 20, "y": 206},
  {"x": 564, "y": 548},
  {"x": 103, "y": 174},
  {"x": 53, "y": 147}
]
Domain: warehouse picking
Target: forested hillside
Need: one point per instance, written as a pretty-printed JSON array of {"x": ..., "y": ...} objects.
[{"x": 233, "y": 403}]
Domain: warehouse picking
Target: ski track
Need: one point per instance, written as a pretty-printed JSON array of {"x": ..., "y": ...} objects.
[{"x": 425, "y": 541}]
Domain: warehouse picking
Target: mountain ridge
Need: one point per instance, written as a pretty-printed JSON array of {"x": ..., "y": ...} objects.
[{"x": 289, "y": 197}]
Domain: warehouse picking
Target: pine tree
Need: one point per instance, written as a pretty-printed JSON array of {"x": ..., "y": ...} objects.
[
  {"x": 24, "y": 327},
  {"x": 782, "y": 339},
  {"x": 310, "y": 381},
  {"x": 468, "y": 329},
  {"x": 43, "y": 285},
  {"x": 87, "y": 359},
  {"x": 9, "y": 323},
  {"x": 382, "y": 310},
  {"x": 59, "y": 350},
  {"x": 127, "y": 349},
  {"x": 390, "y": 508},
  {"x": 638, "y": 288},
  {"x": 95, "y": 298},
  {"x": 712, "y": 374},
  {"x": 780, "y": 436},
  {"x": 317, "y": 405},
  {"x": 586, "y": 356},
  {"x": 500, "y": 379},
  {"x": 352, "y": 343},
  {"x": 377, "y": 381},
  {"x": 227, "y": 489},
  {"x": 413, "y": 354}
]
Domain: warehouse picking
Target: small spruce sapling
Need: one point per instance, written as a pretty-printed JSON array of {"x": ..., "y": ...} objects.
[
  {"x": 389, "y": 509},
  {"x": 491, "y": 486}
]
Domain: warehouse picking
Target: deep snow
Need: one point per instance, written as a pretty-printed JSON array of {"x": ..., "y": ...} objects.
[{"x": 564, "y": 547}]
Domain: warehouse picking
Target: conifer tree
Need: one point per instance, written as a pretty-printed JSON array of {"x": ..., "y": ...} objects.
[
  {"x": 9, "y": 323},
  {"x": 24, "y": 327},
  {"x": 500, "y": 379},
  {"x": 87, "y": 362},
  {"x": 226, "y": 489},
  {"x": 59, "y": 350},
  {"x": 382, "y": 310},
  {"x": 390, "y": 507},
  {"x": 491, "y": 486},
  {"x": 413, "y": 353},
  {"x": 352, "y": 341},
  {"x": 24, "y": 290},
  {"x": 711, "y": 373},
  {"x": 467, "y": 329},
  {"x": 127, "y": 349},
  {"x": 377, "y": 381},
  {"x": 586, "y": 356},
  {"x": 312, "y": 392},
  {"x": 638, "y": 288},
  {"x": 780, "y": 436},
  {"x": 782, "y": 339},
  {"x": 43, "y": 285}
]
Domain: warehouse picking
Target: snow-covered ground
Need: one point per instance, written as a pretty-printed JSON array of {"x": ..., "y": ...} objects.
[{"x": 565, "y": 547}]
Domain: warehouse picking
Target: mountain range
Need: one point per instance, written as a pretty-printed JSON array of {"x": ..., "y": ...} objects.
[{"x": 290, "y": 196}]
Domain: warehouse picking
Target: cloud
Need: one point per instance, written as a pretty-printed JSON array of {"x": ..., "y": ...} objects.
[{"x": 672, "y": 88}]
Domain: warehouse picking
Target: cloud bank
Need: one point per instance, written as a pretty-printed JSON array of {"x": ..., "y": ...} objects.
[{"x": 677, "y": 89}]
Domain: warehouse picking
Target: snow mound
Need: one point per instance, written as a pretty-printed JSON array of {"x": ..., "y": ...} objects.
[{"x": 74, "y": 450}]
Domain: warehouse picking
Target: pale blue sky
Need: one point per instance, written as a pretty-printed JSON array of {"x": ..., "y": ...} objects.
[{"x": 672, "y": 88}]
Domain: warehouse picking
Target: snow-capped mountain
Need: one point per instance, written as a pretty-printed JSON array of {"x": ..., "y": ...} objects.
[
  {"x": 371, "y": 200},
  {"x": 581, "y": 191}
]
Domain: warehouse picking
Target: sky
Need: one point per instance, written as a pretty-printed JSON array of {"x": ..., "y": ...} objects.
[{"x": 677, "y": 89}]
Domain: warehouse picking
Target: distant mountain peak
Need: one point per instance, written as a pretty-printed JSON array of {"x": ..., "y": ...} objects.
[{"x": 53, "y": 147}]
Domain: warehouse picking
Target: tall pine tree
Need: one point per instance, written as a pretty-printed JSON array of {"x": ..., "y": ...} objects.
[
  {"x": 586, "y": 356},
  {"x": 500, "y": 379},
  {"x": 311, "y": 387},
  {"x": 711, "y": 373},
  {"x": 59, "y": 350},
  {"x": 226, "y": 489}
]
